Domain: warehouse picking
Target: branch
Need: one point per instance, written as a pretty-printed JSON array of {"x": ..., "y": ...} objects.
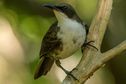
[
  {"x": 90, "y": 61},
  {"x": 113, "y": 52}
]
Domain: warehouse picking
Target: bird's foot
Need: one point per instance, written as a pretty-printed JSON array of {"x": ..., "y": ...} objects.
[
  {"x": 71, "y": 75},
  {"x": 58, "y": 63},
  {"x": 88, "y": 44}
]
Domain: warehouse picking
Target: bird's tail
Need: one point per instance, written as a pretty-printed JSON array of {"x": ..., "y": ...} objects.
[{"x": 44, "y": 66}]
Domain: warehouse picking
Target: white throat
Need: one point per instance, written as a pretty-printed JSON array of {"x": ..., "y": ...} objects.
[{"x": 72, "y": 34}]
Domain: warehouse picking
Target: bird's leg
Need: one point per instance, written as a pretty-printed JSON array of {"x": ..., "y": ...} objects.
[
  {"x": 88, "y": 44},
  {"x": 58, "y": 63}
]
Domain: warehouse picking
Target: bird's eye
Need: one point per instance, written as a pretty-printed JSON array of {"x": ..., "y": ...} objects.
[{"x": 64, "y": 7}]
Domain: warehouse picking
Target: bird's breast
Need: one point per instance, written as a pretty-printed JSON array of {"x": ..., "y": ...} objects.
[{"x": 72, "y": 35}]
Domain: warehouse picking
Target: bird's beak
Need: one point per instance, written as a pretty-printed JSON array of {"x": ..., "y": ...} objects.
[
  {"x": 58, "y": 13},
  {"x": 51, "y": 6}
]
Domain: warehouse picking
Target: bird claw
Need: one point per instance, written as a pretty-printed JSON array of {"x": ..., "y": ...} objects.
[
  {"x": 89, "y": 44},
  {"x": 67, "y": 72},
  {"x": 70, "y": 74}
]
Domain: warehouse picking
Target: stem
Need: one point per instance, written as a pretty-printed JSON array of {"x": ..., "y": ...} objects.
[{"x": 113, "y": 52}]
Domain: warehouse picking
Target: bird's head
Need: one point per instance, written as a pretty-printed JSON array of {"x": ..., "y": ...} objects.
[{"x": 62, "y": 10}]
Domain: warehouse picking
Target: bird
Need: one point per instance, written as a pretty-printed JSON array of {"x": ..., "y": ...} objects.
[{"x": 64, "y": 37}]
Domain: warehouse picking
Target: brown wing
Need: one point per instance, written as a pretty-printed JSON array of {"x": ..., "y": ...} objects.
[{"x": 50, "y": 40}]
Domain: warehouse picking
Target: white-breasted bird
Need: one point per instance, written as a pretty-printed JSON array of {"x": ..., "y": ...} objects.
[{"x": 63, "y": 38}]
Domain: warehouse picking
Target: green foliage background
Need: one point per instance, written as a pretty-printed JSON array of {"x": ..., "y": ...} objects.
[{"x": 30, "y": 21}]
